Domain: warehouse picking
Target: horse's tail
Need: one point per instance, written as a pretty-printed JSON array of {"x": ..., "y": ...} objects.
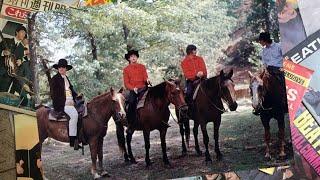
[
  {"x": 120, "y": 137},
  {"x": 42, "y": 120}
]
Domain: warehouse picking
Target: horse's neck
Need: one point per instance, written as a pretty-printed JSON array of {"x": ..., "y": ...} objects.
[
  {"x": 272, "y": 94},
  {"x": 211, "y": 88},
  {"x": 100, "y": 108},
  {"x": 158, "y": 102}
]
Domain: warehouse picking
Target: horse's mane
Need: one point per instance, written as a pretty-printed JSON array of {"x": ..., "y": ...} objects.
[
  {"x": 97, "y": 98},
  {"x": 158, "y": 91},
  {"x": 268, "y": 79},
  {"x": 210, "y": 82}
]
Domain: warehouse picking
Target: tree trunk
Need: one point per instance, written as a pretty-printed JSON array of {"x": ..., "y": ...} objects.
[
  {"x": 33, "y": 56},
  {"x": 93, "y": 46},
  {"x": 126, "y": 34},
  {"x": 46, "y": 68},
  {"x": 265, "y": 6}
]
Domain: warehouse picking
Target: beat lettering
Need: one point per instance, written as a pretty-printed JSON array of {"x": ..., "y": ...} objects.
[
  {"x": 313, "y": 45},
  {"x": 296, "y": 58},
  {"x": 305, "y": 52}
]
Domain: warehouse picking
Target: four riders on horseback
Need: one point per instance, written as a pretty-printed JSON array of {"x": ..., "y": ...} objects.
[{"x": 135, "y": 78}]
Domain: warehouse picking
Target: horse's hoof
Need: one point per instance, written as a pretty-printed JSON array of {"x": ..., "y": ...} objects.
[
  {"x": 184, "y": 153},
  {"x": 148, "y": 165},
  {"x": 133, "y": 161},
  {"x": 282, "y": 157},
  {"x": 219, "y": 157},
  {"x": 267, "y": 158},
  {"x": 199, "y": 153},
  {"x": 126, "y": 160},
  {"x": 168, "y": 165},
  {"x": 208, "y": 161},
  {"x": 104, "y": 174},
  {"x": 96, "y": 176}
]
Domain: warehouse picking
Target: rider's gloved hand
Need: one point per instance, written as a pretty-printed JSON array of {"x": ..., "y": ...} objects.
[
  {"x": 200, "y": 74},
  {"x": 135, "y": 90}
]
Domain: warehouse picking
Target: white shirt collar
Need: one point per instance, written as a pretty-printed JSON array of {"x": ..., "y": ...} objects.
[{"x": 16, "y": 40}]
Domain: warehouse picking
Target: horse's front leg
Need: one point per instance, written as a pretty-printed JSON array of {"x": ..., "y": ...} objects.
[
  {"x": 187, "y": 131},
  {"x": 267, "y": 135},
  {"x": 100, "y": 157},
  {"x": 195, "y": 134},
  {"x": 163, "y": 133},
  {"x": 146, "y": 135},
  {"x": 206, "y": 141},
  {"x": 217, "y": 123},
  {"x": 184, "y": 148},
  {"x": 281, "y": 135},
  {"x": 129, "y": 138},
  {"x": 93, "y": 144}
]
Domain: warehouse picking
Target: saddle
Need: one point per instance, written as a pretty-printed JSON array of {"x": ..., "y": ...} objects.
[
  {"x": 142, "y": 99},
  {"x": 80, "y": 105},
  {"x": 196, "y": 84}
]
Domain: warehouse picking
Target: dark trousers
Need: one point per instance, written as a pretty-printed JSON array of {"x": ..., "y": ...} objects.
[
  {"x": 5, "y": 80},
  {"x": 189, "y": 91},
  {"x": 275, "y": 71},
  {"x": 132, "y": 101}
]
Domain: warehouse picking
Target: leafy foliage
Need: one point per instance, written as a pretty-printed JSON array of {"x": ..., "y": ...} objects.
[{"x": 94, "y": 40}]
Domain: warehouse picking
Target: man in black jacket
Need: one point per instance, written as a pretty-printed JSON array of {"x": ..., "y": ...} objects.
[
  {"x": 63, "y": 98},
  {"x": 11, "y": 47}
]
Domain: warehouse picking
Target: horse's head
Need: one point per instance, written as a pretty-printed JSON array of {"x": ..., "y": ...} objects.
[
  {"x": 227, "y": 91},
  {"x": 175, "y": 96},
  {"x": 256, "y": 90},
  {"x": 118, "y": 104}
]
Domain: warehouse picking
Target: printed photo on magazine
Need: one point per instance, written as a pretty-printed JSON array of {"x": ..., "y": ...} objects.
[{"x": 171, "y": 86}]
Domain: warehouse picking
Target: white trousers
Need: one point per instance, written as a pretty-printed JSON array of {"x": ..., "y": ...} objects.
[{"x": 72, "y": 112}]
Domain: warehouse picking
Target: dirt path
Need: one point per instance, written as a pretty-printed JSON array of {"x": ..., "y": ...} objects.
[{"x": 241, "y": 142}]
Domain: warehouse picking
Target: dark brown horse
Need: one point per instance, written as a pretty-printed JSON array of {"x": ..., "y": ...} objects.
[
  {"x": 100, "y": 110},
  {"x": 268, "y": 98},
  {"x": 155, "y": 116},
  {"x": 208, "y": 107}
]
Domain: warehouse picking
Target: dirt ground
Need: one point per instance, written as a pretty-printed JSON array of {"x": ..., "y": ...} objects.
[{"x": 241, "y": 142}]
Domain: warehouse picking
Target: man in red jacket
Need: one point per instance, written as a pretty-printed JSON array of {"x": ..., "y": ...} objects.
[
  {"x": 135, "y": 79},
  {"x": 194, "y": 68}
]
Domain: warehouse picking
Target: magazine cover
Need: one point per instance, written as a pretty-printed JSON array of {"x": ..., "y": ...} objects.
[
  {"x": 306, "y": 54},
  {"x": 310, "y": 9},
  {"x": 16, "y": 68},
  {"x": 292, "y": 29},
  {"x": 95, "y": 46}
]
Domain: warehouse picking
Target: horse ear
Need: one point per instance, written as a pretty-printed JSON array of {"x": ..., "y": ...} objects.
[
  {"x": 112, "y": 91},
  {"x": 230, "y": 74},
  {"x": 222, "y": 73},
  {"x": 250, "y": 74},
  {"x": 121, "y": 90},
  {"x": 178, "y": 81},
  {"x": 170, "y": 83}
]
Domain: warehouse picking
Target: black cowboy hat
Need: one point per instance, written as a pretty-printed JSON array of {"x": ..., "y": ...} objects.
[
  {"x": 264, "y": 36},
  {"x": 131, "y": 52},
  {"x": 62, "y": 63}
]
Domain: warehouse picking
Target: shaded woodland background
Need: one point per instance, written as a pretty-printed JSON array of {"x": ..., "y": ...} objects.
[{"x": 94, "y": 40}]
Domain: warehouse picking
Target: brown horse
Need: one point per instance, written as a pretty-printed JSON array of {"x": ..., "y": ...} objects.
[
  {"x": 155, "y": 116},
  {"x": 100, "y": 110},
  {"x": 267, "y": 96},
  {"x": 208, "y": 107}
]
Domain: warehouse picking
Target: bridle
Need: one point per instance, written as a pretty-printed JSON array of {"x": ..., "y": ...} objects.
[
  {"x": 260, "y": 100},
  {"x": 220, "y": 94}
]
